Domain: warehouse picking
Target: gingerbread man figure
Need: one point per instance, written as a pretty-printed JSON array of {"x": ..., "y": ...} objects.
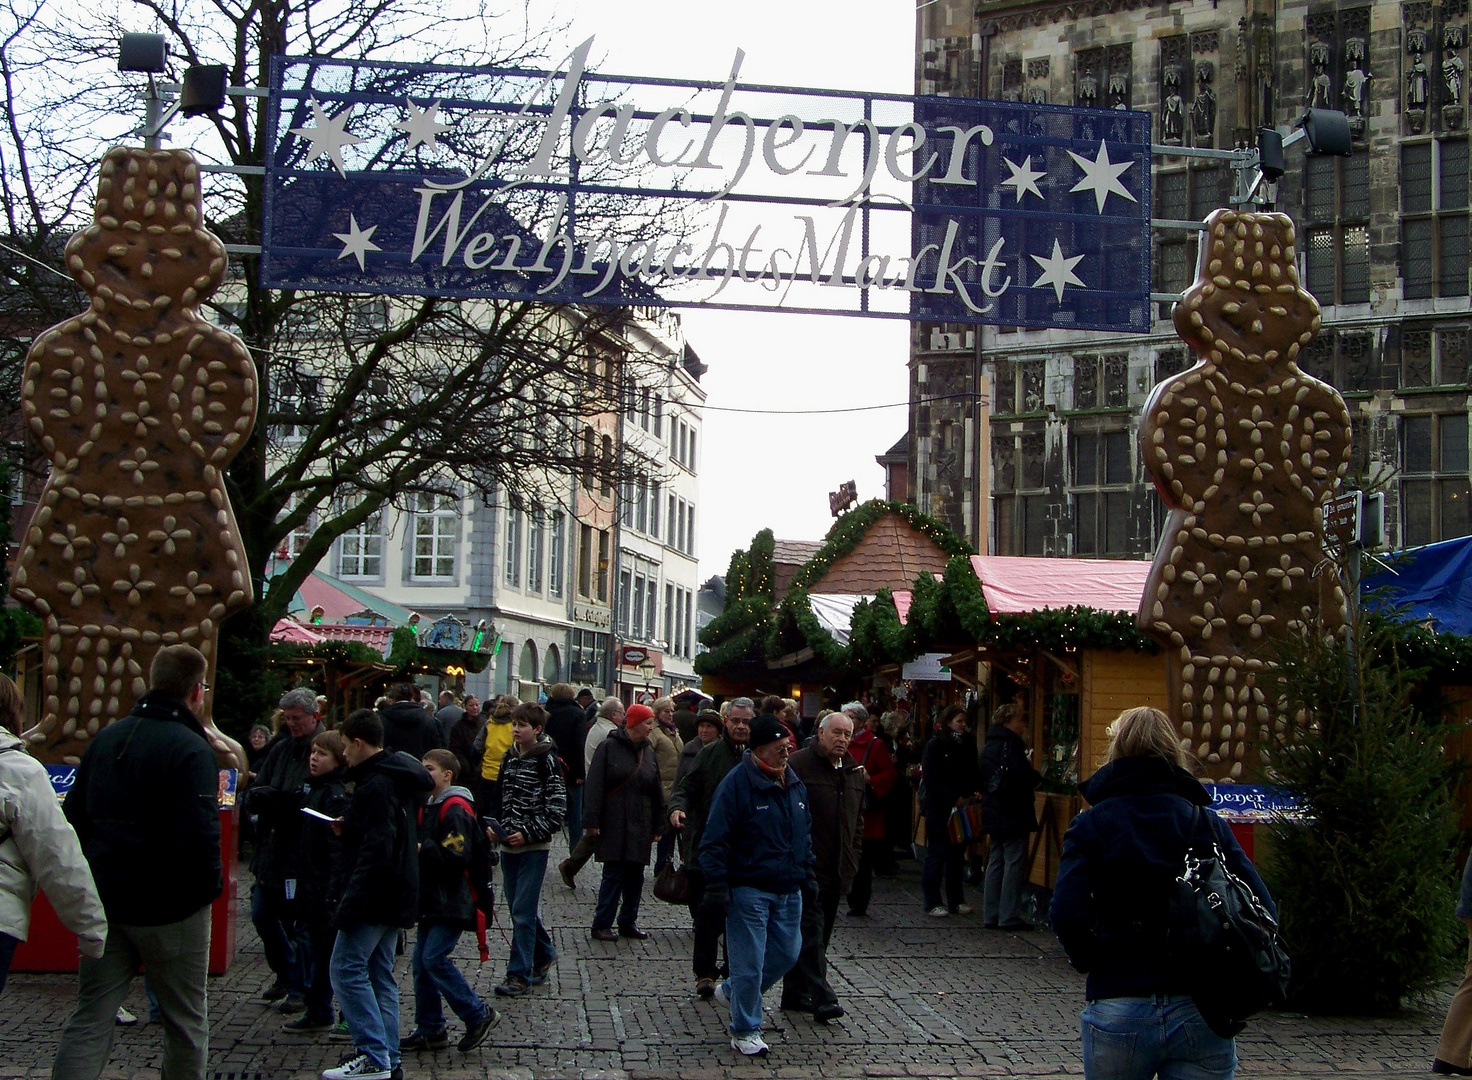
[
  {"x": 1246, "y": 450},
  {"x": 140, "y": 404}
]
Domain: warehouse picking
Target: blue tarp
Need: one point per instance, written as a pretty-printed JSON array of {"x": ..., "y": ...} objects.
[{"x": 1432, "y": 583}]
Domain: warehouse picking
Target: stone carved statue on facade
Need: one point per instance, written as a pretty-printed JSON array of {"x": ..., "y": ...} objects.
[
  {"x": 1203, "y": 109},
  {"x": 1321, "y": 89},
  {"x": 1119, "y": 92},
  {"x": 1246, "y": 451},
  {"x": 140, "y": 404},
  {"x": 1451, "y": 74},
  {"x": 1173, "y": 111},
  {"x": 1417, "y": 84},
  {"x": 1356, "y": 79},
  {"x": 1088, "y": 90}
]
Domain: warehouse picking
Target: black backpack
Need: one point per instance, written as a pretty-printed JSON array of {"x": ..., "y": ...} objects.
[
  {"x": 1224, "y": 944},
  {"x": 481, "y": 871}
]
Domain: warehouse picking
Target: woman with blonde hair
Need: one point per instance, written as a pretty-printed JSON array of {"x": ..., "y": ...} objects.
[{"x": 1111, "y": 907}]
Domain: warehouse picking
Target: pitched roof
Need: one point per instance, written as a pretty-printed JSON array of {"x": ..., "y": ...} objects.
[
  {"x": 1016, "y": 584},
  {"x": 890, "y": 556},
  {"x": 788, "y": 556}
]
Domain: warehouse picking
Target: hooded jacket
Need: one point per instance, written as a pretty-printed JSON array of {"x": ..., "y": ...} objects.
[
  {"x": 533, "y": 794},
  {"x": 40, "y": 850},
  {"x": 836, "y": 804},
  {"x": 1008, "y": 811},
  {"x": 446, "y": 828},
  {"x": 1111, "y": 904},
  {"x": 623, "y": 799},
  {"x": 567, "y": 726},
  {"x": 322, "y": 862},
  {"x": 381, "y": 887},
  {"x": 276, "y": 797},
  {"x": 759, "y": 832},
  {"x": 407, "y": 727},
  {"x": 145, "y": 807}
]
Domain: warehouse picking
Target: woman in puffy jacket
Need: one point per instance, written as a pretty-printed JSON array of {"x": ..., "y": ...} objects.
[
  {"x": 38, "y": 848},
  {"x": 623, "y": 810},
  {"x": 1111, "y": 906}
]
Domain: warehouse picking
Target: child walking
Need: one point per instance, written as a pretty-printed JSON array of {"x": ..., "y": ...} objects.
[
  {"x": 323, "y": 869},
  {"x": 447, "y": 828},
  {"x": 533, "y": 805}
]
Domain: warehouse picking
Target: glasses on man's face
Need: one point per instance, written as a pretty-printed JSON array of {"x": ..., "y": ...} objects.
[{"x": 204, "y": 686}]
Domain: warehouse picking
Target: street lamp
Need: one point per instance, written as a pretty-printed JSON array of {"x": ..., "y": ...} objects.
[{"x": 1327, "y": 133}]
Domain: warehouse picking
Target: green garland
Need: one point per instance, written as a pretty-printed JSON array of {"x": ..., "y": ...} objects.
[
  {"x": 1059, "y": 629},
  {"x": 876, "y": 637},
  {"x": 795, "y": 627},
  {"x": 1442, "y": 658}
]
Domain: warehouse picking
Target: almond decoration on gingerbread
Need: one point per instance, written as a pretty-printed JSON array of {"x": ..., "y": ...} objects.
[
  {"x": 1246, "y": 450},
  {"x": 140, "y": 404}
]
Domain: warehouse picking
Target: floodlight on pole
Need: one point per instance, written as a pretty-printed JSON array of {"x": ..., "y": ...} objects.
[
  {"x": 202, "y": 92},
  {"x": 1261, "y": 167}
]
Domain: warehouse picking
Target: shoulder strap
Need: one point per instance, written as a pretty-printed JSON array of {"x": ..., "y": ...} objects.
[{"x": 456, "y": 800}]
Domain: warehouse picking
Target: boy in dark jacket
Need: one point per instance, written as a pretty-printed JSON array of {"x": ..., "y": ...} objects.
[
  {"x": 533, "y": 805},
  {"x": 380, "y": 894},
  {"x": 322, "y": 865},
  {"x": 446, "y": 909}
]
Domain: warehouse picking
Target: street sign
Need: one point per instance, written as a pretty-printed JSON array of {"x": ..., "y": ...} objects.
[
  {"x": 575, "y": 187},
  {"x": 1342, "y": 519},
  {"x": 633, "y": 656}
]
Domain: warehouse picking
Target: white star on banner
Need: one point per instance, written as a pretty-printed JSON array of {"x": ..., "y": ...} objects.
[
  {"x": 1023, "y": 180},
  {"x": 358, "y": 242},
  {"x": 1058, "y": 271},
  {"x": 421, "y": 127},
  {"x": 328, "y": 137},
  {"x": 1101, "y": 176}
]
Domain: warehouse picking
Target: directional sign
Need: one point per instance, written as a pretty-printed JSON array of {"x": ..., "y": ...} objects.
[{"x": 575, "y": 187}]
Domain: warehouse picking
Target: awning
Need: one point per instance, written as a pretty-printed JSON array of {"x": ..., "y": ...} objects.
[
  {"x": 1018, "y": 584},
  {"x": 835, "y": 611},
  {"x": 338, "y": 599},
  {"x": 903, "y": 598},
  {"x": 289, "y": 630},
  {"x": 1428, "y": 584}
]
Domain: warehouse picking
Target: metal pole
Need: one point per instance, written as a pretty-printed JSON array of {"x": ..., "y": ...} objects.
[{"x": 153, "y": 117}]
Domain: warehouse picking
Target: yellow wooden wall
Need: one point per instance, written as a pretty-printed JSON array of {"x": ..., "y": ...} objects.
[{"x": 1111, "y": 682}]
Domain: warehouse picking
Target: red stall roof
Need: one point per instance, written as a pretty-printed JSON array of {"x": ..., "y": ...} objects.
[{"x": 1017, "y": 584}]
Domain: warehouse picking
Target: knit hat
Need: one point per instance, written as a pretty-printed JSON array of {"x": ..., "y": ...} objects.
[
  {"x": 637, "y": 714},
  {"x": 764, "y": 729}
]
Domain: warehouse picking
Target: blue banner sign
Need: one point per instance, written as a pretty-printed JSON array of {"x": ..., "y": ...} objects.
[
  {"x": 64, "y": 776},
  {"x": 581, "y": 188},
  {"x": 1251, "y": 804}
]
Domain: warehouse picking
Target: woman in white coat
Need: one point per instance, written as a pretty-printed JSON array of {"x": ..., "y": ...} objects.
[{"x": 38, "y": 848}]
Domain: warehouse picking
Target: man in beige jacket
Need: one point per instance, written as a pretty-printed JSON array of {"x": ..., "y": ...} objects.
[{"x": 38, "y": 848}]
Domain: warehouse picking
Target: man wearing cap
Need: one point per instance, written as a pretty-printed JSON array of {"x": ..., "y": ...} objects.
[
  {"x": 756, "y": 855},
  {"x": 689, "y": 805}
]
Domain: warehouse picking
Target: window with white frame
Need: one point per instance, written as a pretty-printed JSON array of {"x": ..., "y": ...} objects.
[
  {"x": 513, "y": 547},
  {"x": 360, "y": 549},
  {"x": 298, "y": 537},
  {"x": 557, "y": 554},
  {"x": 534, "y": 551},
  {"x": 436, "y": 529}
]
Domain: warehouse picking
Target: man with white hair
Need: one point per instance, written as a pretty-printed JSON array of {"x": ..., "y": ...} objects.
[
  {"x": 275, "y": 798},
  {"x": 836, "y": 785}
]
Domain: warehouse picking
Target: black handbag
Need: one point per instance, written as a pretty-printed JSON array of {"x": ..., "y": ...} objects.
[
  {"x": 1224, "y": 943},
  {"x": 672, "y": 884}
]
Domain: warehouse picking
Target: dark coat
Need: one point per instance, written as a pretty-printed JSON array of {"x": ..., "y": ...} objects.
[
  {"x": 686, "y": 724},
  {"x": 759, "y": 832},
  {"x": 460, "y": 741},
  {"x": 145, "y": 807},
  {"x": 836, "y": 802},
  {"x": 409, "y": 729},
  {"x": 1010, "y": 810},
  {"x": 276, "y": 797},
  {"x": 1116, "y": 878},
  {"x": 693, "y": 792},
  {"x": 623, "y": 800},
  {"x": 949, "y": 771},
  {"x": 446, "y": 840},
  {"x": 567, "y": 724},
  {"x": 323, "y": 862},
  {"x": 382, "y": 884}
]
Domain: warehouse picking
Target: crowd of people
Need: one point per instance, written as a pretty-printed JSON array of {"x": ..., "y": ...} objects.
[{"x": 392, "y": 821}]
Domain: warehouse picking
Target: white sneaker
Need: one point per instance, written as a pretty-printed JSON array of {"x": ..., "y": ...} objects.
[
  {"x": 722, "y": 998},
  {"x": 964, "y": 909},
  {"x": 361, "y": 1067},
  {"x": 938, "y": 912},
  {"x": 124, "y": 1018},
  {"x": 752, "y": 1045}
]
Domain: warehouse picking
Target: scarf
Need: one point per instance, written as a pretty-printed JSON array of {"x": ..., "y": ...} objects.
[{"x": 774, "y": 772}]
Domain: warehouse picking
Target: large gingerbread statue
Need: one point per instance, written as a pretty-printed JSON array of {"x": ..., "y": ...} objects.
[
  {"x": 140, "y": 404},
  {"x": 1246, "y": 450}
]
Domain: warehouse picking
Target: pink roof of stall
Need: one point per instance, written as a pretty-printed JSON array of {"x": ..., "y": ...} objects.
[{"x": 1016, "y": 584}]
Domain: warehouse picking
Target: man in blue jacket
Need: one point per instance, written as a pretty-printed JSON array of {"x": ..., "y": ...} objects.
[{"x": 756, "y": 855}]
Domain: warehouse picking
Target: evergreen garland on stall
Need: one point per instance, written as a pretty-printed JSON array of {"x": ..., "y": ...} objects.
[{"x": 739, "y": 633}]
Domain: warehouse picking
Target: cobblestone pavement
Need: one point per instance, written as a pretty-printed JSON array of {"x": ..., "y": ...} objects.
[{"x": 925, "y": 998}]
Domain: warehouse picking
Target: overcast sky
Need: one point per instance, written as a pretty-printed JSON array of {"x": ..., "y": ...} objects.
[{"x": 774, "y": 470}]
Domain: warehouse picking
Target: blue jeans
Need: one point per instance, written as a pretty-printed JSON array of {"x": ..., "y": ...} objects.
[
  {"x": 435, "y": 974},
  {"x": 363, "y": 980},
  {"x": 622, "y": 881},
  {"x": 763, "y": 940},
  {"x": 1138, "y": 1038},
  {"x": 531, "y": 945},
  {"x": 574, "y": 815}
]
